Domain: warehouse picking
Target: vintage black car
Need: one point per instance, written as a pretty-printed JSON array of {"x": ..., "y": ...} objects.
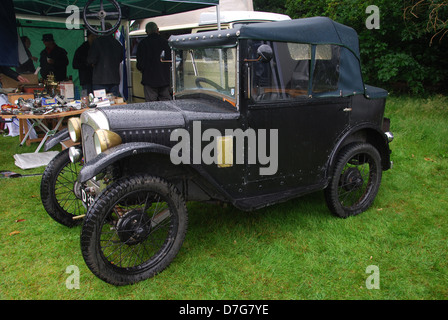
[{"x": 260, "y": 114}]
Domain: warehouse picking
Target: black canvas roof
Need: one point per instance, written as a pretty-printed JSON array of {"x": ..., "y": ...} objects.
[{"x": 316, "y": 30}]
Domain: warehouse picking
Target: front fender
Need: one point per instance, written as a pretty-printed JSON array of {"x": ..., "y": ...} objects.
[
  {"x": 103, "y": 160},
  {"x": 59, "y": 137}
]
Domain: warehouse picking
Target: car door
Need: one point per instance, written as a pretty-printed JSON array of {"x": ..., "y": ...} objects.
[{"x": 308, "y": 121}]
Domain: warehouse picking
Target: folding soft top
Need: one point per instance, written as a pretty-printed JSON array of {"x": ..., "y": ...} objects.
[
  {"x": 316, "y": 30},
  {"x": 313, "y": 31}
]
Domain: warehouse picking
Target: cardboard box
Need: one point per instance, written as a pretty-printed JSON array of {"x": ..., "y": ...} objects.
[
  {"x": 7, "y": 82},
  {"x": 48, "y": 101},
  {"x": 100, "y": 94},
  {"x": 119, "y": 100},
  {"x": 32, "y": 88},
  {"x": 67, "y": 89},
  {"x": 13, "y": 97}
]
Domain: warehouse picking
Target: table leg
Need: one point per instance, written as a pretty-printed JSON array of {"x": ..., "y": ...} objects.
[
  {"x": 34, "y": 124},
  {"x": 48, "y": 133}
]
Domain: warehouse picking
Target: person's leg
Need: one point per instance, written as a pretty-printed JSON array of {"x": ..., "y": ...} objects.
[
  {"x": 114, "y": 89},
  {"x": 89, "y": 88},
  {"x": 164, "y": 93},
  {"x": 86, "y": 90},
  {"x": 150, "y": 94}
]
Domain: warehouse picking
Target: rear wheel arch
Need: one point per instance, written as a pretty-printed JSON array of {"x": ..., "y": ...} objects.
[{"x": 363, "y": 135}]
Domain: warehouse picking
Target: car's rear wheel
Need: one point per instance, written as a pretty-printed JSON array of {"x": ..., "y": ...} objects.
[
  {"x": 134, "y": 229},
  {"x": 355, "y": 180}
]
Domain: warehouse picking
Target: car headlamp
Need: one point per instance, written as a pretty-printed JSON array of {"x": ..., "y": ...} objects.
[
  {"x": 75, "y": 154},
  {"x": 74, "y": 129},
  {"x": 105, "y": 139}
]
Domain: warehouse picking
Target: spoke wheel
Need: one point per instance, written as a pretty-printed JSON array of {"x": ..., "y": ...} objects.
[
  {"x": 133, "y": 230},
  {"x": 355, "y": 181},
  {"x": 60, "y": 191}
]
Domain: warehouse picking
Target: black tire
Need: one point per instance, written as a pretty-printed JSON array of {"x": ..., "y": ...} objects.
[
  {"x": 57, "y": 190},
  {"x": 134, "y": 230},
  {"x": 355, "y": 180}
]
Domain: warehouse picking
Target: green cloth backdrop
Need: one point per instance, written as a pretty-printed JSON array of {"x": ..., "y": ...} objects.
[{"x": 70, "y": 40}]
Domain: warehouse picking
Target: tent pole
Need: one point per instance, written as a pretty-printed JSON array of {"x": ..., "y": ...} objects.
[
  {"x": 128, "y": 62},
  {"x": 218, "y": 16},
  {"x": 221, "y": 66}
]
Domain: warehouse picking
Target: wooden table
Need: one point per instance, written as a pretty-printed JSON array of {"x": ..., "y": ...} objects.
[{"x": 37, "y": 121}]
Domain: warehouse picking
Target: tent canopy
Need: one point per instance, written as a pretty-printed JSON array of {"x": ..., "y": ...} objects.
[
  {"x": 49, "y": 11},
  {"x": 44, "y": 9},
  {"x": 131, "y": 9}
]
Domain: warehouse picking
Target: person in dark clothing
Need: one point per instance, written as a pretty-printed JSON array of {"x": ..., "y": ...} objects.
[
  {"x": 85, "y": 69},
  {"x": 28, "y": 65},
  {"x": 53, "y": 59},
  {"x": 7, "y": 71},
  {"x": 106, "y": 54},
  {"x": 155, "y": 74}
]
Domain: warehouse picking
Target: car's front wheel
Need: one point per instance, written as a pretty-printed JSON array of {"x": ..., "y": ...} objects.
[
  {"x": 134, "y": 229},
  {"x": 355, "y": 180}
]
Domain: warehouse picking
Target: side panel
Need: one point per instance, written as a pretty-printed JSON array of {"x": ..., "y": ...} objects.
[
  {"x": 229, "y": 179},
  {"x": 367, "y": 110}
]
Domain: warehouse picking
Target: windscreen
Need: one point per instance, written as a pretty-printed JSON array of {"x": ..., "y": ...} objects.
[{"x": 208, "y": 70}]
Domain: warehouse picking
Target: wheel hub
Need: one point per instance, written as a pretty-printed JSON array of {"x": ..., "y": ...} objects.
[
  {"x": 352, "y": 179},
  {"x": 134, "y": 227},
  {"x": 102, "y": 14},
  {"x": 77, "y": 190}
]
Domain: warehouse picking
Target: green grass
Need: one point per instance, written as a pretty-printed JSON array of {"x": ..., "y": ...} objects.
[{"x": 295, "y": 250}]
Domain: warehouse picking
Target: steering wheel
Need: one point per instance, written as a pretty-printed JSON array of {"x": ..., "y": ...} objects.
[
  {"x": 200, "y": 79},
  {"x": 102, "y": 15}
]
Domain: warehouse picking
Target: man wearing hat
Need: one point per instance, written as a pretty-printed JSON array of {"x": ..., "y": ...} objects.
[{"x": 53, "y": 59}]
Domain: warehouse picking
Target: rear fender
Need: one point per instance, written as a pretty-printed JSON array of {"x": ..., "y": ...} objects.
[{"x": 364, "y": 134}]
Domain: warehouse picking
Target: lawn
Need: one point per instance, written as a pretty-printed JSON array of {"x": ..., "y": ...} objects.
[{"x": 295, "y": 250}]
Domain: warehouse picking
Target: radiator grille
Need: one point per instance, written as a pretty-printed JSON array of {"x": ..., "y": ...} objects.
[{"x": 87, "y": 142}]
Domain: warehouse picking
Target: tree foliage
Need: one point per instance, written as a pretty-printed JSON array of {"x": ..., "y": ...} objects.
[
  {"x": 408, "y": 51},
  {"x": 433, "y": 12}
]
